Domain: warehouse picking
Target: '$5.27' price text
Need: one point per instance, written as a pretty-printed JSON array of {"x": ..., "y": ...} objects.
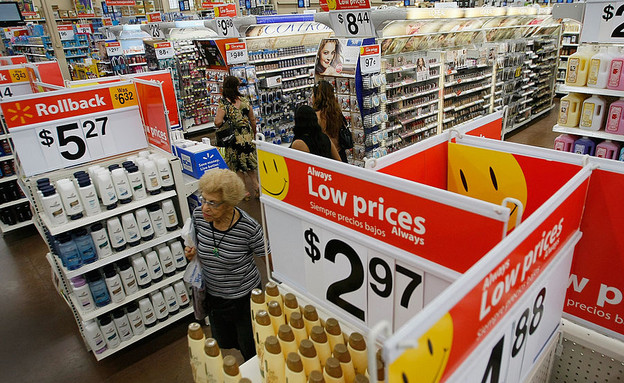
[{"x": 71, "y": 134}]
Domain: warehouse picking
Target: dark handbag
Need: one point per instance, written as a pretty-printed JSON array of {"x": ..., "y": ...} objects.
[
  {"x": 226, "y": 135},
  {"x": 345, "y": 138}
]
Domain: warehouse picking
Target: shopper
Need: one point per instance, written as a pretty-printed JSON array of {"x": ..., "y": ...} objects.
[
  {"x": 240, "y": 157},
  {"x": 328, "y": 58},
  {"x": 309, "y": 136},
  {"x": 227, "y": 239},
  {"x": 329, "y": 114}
]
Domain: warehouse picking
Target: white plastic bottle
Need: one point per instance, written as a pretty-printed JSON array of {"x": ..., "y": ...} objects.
[
  {"x": 136, "y": 319},
  {"x": 53, "y": 206},
  {"x": 141, "y": 271},
  {"x": 82, "y": 293},
  {"x": 145, "y": 224},
  {"x": 106, "y": 189},
  {"x": 122, "y": 185},
  {"x": 171, "y": 300},
  {"x": 153, "y": 266},
  {"x": 171, "y": 217},
  {"x": 136, "y": 182},
  {"x": 152, "y": 179},
  {"x": 128, "y": 279},
  {"x": 147, "y": 312},
  {"x": 131, "y": 229},
  {"x": 113, "y": 283},
  {"x": 94, "y": 337},
  {"x": 101, "y": 241},
  {"x": 182, "y": 294},
  {"x": 69, "y": 196},
  {"x": 196, "y": 338},
  {"x": 122, "y": 324},
  {"x": 116, "y": 233},
  {"x": 164, "y": 171},
  {"x": 166, "y": 260},
  {"x": 160, "y": 306},
  {"x": 599, "y": 66},
  {"x": 178, "y": 255},
  {"x": 88, "y": 196},
  {"x": 158, "y": 219},
  {"x": 109, "y": 331},
  {"x": 214, "y": 361}
]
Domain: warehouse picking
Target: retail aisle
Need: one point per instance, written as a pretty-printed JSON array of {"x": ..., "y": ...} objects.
[{"x": 39, "y": 338}]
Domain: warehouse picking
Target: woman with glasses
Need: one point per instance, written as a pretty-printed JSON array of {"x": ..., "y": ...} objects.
[{"x": 227, "y": 240}]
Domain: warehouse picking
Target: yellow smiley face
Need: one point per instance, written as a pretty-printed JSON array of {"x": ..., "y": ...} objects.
[
  {"x": 331, "y": 4},
  {"x": 487, "y": 175},
  {"x": 273, "y": 171},
  {"x": 425, "y": 363}
]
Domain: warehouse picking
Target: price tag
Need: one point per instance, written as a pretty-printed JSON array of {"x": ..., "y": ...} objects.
[
  {"x": 603, "y": 22},
  {"x": 154, "y": 17},
  {"x": 353, "y": 23},
  {"x": 113, "y": 49},
  {"x": 83, "y": 29},
  {"x": 370, "y": 59},
  {"x": 226, "y": 10},
  {"x": 164, "y": 50},
  {"x": 225, "y": 27},
  {"x": 66, "y": 32},
  {"x": 9, "y": 33},
  {"x": 236, "y": 53},
  {"x": 154, "y": 30},
  {"x": 107, "y": 21}
]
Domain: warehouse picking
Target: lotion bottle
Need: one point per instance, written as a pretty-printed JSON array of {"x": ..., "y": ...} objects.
[
  {"x": 158, "y": 219},
  {"x": 310, "y": 318},
  {"x": 287, "y": 340},
  {"x": 294, "y": 372},
  {"x": 53, "y": 206},
  {"x": 214, "y": 361},
  {"x": 178, "y": 255},
  {"x": 274, "y": 363},
  {"x": 290, "y": 305},
  {"x": 160, "y": 306},
  {"x": 141, "y": 271},
  {"x": 122, "y": 185},
  {"x": 116, "y": 233},
  {"x": 257, "y": 303},
  {"x": 131, "y": 229},
  {"x": 147, "y": 312},
  {"x": 164, "y": 172},
  {"x": 316, "y": 376},
  {"x": 332, "y": 371},
  {"x": 357, "y": 350},
  {"x": 136, "y": 319},
  {"x": 272, "y": 293},
  {"x": 109, "y": 331},
  {"x": 263, "y": 330},
  {"x": 145, "y": 224},
  {"x": 342, "y": 354},
  {"x": 122, "y": 324},
  {"x": 128, "y": 279},
  {"x": 113, "y": 282},
  {"x": 182, "y": 294},
  {"x": 106, "y": 189},
  {"x": 152, "y": 179},
  {"x": 319, "y": 338},
  {"x": 154, "y": 267},
  {"x": 196, "y": 339},
  {"x": 298, "y": 327},
  {"x": 101, "y": 241},
  {"x": 231, "y": 373},
  {"x": 171, "y": 300},
  {"x": 171, "y": 217},
  {"x": 70, "y": 198},
  {"x": 166, "y": 260},
  {"x": 94, "y": 337},
  {"x": 82, "y": 293},
  {"x": 88, "y": 196},
  {"x": 135, "y": 178},
  {"x": 275, "y": 313},
  {"x": 308, "y": 355},
  {"x": 334, "y": 333}
]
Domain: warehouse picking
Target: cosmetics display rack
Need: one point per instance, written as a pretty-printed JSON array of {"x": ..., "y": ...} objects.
[
  {"x": 32, "y": 42},
  {"x": 63, "y": 275},
  {"x": 569, "y": 44}
]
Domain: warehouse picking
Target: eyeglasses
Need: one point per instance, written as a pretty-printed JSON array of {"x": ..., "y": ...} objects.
[{"x": 210, "y": 204}]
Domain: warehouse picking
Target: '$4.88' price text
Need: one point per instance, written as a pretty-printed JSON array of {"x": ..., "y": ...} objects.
[{"x": 71, "y": 134}]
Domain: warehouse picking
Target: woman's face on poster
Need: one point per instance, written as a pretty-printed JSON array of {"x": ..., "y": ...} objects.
[{"x": 327, "y": 54}]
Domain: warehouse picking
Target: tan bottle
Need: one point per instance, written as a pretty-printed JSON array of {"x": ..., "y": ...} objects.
[
  {"x": 214, "y": 361},
  {"x": 310, "y": 317},
  {"x": 276, "y": 315},
  {"x": 298, "y": 327},
  {"x": 381, "y": 371},
  {"x": 359, "y": 378},
  {"x": 247, "y": 380},
  {"x": 332, "y": 372},
  {"x": 274, "y": 364},
  {"x": 196, "y": 339},
  {"x": 294, "y": 369},
  {"x": 316, "y": 377},
  {"x": 287, "y": 340},
  {"x": 319, "y": 338},
  {"x": 271, "y": 292},
  {"x": 334, "y": 333},
  {"x": 357, "y": 349},
  {"x": 342, "y": 354},
  {"x": 263, "y": 330},
  {"x": 258, "y": 303},
  {"x": 290, "y": 305},
  {"x": 308, "y": 357},
  {"x": 231, "y": 373}
]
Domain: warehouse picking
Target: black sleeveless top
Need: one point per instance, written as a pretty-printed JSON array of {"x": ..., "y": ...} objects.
[{"x": 323, "y": 149}]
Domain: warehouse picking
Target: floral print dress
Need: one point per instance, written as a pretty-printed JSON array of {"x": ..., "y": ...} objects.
[{"x": 241, "y": 157}]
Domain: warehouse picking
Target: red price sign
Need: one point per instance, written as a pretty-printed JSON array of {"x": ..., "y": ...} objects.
[
  {"x": 154, "y": 17},
  {"x": 228, "y": 10}
]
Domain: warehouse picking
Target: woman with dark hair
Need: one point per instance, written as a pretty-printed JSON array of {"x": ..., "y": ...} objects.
[
  {"x": 309, "y": 136},
  {"x": 241, "y": 156},
  {"x": 328, "y": 58},
  {"x": 329, "y": 114}
]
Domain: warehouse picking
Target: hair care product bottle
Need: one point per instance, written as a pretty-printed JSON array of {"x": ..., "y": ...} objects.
[
  {"x": 565, "y": 142},
  {"x": 160, "y": 306},
  {"x": 271, "y": 292},
  {"x": 334, "y": 333},
  {"x": 145, "y": 224},
  {"x": 616, "y": 80},
  {"x": 122, "y": 185},
  {"x": 231, "y": 373},
  {"x": 357, "y": 349},
  {"x": 70, "y": 198},
  {"x": 144, "y": 154},
  {"x": 131, "y": 229},
  {"x": 599, "y": 66},
  {"x": 342, "y": 354},
  {"x": 359, "y": 378},
  {"x": 82, "y": 293},
  {"x": 152, "y": 179},
  {"x": 166, "y": 260},
  {"x": 310, "y": 317},
  {"x": 274, "y": 363},
  {"x": 171, "y": 300},
  {"x": 127, "y": 276},
  {"x": 88, "y": 196},
  {"x": 213, "y": 360},
  {"x": 262, "y": 330},
  {"x": 122, "y": 324},
  {"x": 584, "y": 145},
  {"x": 297, "y": 324},
  {"x": 113, "y": 282},
  {"x": 615, "y": 118},
  {"x": 294, "y": 372},
  {"x": 85, "y": 245},
  {"x": 158, "y": 219},
  {"x": 98, "y": 289},
  {"x": 136, "y": 319},
  {"x": 135, "y": 178},
  {"x": 101, "y": 241},
  {"x": 106, "y": 189},
  {"x": 309, "y": 357},
  {"x": 109, "y": 331},
  {"x": 178, "y": 255},
  {"x": 116, "y": 234},
  {"x": 379, "y": 375},
  {"x": 245, "y": 380},
  {"x": 141, "y": 270},
  {"x": 319, "y": 338},
  {"x": 257, "y": 303},
  {"x": 154, "y": 267},
  {"x": 147, "y": 312},
  {"x": 593, "y": 113},
  {"x": 578, "y": 66},
  {"x": 171, "y": 217},
  {"x": 182, "y": 294},
  {"x": 287, "y": 339},
  {"x": 53, "y": 206},
  {"x": 94, "y": 337},
  {"x": 607, "y": 149},
  {"x": 290, "y": 305},
  {"x": 332, "y": 371},
  {"x": 570, "y": 110},
  {"x": 275, "y": 313},
  {"x": 164, "y": 172},
  {"x": 196, "y": 339},
  {"x": 69, "y": 253}
]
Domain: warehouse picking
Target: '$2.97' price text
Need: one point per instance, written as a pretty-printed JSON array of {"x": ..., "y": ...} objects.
[
  {"x": 608, "y": 14},
  {"x": 66, "y": 134},
  {"x": 382, "y": 286}
]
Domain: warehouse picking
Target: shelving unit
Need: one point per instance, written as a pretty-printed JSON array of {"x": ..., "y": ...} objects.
[{"x": 569, "y": 43}]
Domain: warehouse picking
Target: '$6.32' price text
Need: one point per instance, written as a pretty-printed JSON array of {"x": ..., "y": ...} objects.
[
  {"x": 122, "y": 97},
  {"x": 71, "y": 134},
  {"x": 382, "y": 285}
]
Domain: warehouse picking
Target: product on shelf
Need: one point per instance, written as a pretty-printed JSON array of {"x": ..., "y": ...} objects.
[
  {"x": 578, "y": 66},
  {"x": 570, "y": 109},
  {"x": 593, "y": 113}
]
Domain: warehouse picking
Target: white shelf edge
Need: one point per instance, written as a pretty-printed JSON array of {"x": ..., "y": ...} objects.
[
  {"x": 148, "y": 331},
  {"x": 263, "y": 60},
  {"x": 589, "y": 133},
  {"x": 14, "y": 202},
  {"x": 121, "y": 208},
  {"x": 7, "y": 157},
  {"x": 7, "y": 179},
  {"x": 6, "y": 228},
  {"x": 588, "y": 90}
]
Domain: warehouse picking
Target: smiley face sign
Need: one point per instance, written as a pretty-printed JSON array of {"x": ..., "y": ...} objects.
[{"x": 274, "y": 178}]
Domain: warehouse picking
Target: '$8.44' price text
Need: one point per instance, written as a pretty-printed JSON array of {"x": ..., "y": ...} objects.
[
  {"x": 384, "y": 283},
  {"x": 354, "y": 21},
  {"x": 91, "y": 129}
]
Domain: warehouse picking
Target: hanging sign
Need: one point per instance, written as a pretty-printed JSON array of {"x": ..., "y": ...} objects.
[
  {"x": 164, "y": 50},
  {"x": 14, "y": 82},
  {"x": 352, "y": 23},
  {"x": 54, "y": 131},
  {"x": 236, "y": 53},
  {"x": 225, "y": 10},
  {"x": 333, "y": 5},
  {"x": 370, "y": 59},
  {"x": 129, "y": 3},
  {"x": 224, "y": 15},
  {"x": 603, "y": 22},
  {"x": 83, "y": 29},
  {"x": 113, "y": 48},
  {"x": 153, "y": 114},
  {"x": 154, "y": 30},
  {"x": 106, "y": 21},
  {"x": 66, "y": 32},
  {"x": 154, "y": 17}
]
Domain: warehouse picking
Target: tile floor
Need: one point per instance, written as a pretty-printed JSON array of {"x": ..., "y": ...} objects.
[{"x": 40, "y": 342}]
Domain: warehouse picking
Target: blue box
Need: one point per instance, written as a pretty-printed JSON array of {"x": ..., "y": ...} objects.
[{"x": 197, "y": 159}]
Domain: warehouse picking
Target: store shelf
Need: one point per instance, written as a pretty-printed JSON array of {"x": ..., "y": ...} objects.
[
  {"x": 137, "y": 64},
  {"x": 284, "y": 69},
  {"x": 32, "y": 54},
  {"x": 588, "y": 90},
  {"x": 408, "y": 82},
  {"x": 531, "y": 118},
  {"x": 418, "y": 117},
  {"x": 121, "y": 208},
  {"x": 85, "y": 316},
  {"x": 14, "y": 202},
  {"x": 199, "y": 128},
  {"x": 298, "y": 87},
  {"x": 128, "y": 251},
  {"x": 7, "y": 157},
  {"x": 468, "y": 80},
  {"x": 6, "y": 228},
  {"x": 264, "y": 60},
  {"x": 589, "y": 133},
  {"x": 148, "y": 332},
  {"x": 414, "y": 107},
  {"x": 419, "y": 130},
  {"x": 75, "y": 56},
  {"x": 76, "y": 47},
  {"x": 570, "y": 45},
  {"x": 463, "y": 93},
  {"x": 8, "y": 178},
  {"x": 307, "y": 75},
  {"x": 29, "y": 45},
  {"x": 133, "y": 53},
  {"x": 408, "y": 97},
  {"x": 190, "y": 183}
]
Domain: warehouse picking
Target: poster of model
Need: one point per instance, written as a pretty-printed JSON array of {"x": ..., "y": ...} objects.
[{"x": 337, "y": 57}]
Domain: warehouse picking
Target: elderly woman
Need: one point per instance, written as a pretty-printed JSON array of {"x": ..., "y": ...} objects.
[{"x": 227, "y": 239}]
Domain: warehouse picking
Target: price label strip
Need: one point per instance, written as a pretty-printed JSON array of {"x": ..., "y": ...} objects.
[
  {"x": 352, "y": 23},
  {"x": 66, "y": 32},
  {"x": 236, "y": 53},
  {"x": 113, "y": 49},
  {"x": 83, "y": 29},
  {"x": 164, "y": 50},
  {"x": 51, "y": 132},
  {"x": 370, "y": 59},
  {"x": 603, "y": 22},
  {"x": 14, "y": 82}
]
